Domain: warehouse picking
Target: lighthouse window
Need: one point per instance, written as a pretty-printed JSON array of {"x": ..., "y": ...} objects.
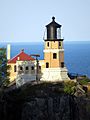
[
  {"x": 48, "y": 44},
  {"x": 59, "y": 43},
  {"x": 15, "y": 68},
  {"x": 21, "y": 68},
  {"x": 54, "y": 56},
  {"x": 27, "y": 68},
  {"x": 39, "y": 67},
  {"x": 47, "y": 65},
  {"x": 62, "y": 64},
  {"x": 32, "y": 68}
]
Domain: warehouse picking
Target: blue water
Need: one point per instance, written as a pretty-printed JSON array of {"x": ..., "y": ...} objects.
[{"x": 77, "y": 54}]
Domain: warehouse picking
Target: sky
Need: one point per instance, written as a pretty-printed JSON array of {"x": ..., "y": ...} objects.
[{"x": 25, "y": 20}]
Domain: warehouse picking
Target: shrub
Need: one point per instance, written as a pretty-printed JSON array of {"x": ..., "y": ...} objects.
[
  {"x": 84, "y": 81},
  {"x": 69, "y": 87}
]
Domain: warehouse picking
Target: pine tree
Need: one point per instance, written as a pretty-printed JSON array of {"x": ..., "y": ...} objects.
[{"x": 4, "y": 68}]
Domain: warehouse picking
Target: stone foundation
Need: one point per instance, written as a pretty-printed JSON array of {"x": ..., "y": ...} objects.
[{"x": 54, "y": 74}]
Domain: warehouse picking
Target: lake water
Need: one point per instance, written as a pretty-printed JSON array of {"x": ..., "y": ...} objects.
[{"x": 77, "y": 54}]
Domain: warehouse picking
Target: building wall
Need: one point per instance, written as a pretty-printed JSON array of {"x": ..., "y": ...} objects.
[
  {"x": 54, "y": 47},
  {"x": 12, "y": 73},
  {"x": 24, "y": 64},
  {"x": 61, "y": 56},
  {"x": 53, "y": 44},
  {"x": 42, "y": 64}
]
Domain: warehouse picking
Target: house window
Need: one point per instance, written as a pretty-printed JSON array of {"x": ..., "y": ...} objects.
[
  {"x": 21, "y": 68},
  {"x": 27, "y": 68},
  {"x": 39, "y": 67},
  {"x": 32, "y": 68},
  {"x": 48, "y": 44},
  {"x": 62, "y": 64},
  {"x": 59, "y": 43},
  {"x": 54, "y": 56},
  {"x": 15, "y": 68},
  {"x": 47, "y": 65}
]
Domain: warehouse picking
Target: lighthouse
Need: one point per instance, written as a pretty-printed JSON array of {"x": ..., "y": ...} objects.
[{"x": 54, "y": 67}]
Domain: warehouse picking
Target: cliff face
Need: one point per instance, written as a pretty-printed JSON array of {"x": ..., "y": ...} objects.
[
  {"x": 42, "y": 102},
  {"x": 52, "y": 108}
]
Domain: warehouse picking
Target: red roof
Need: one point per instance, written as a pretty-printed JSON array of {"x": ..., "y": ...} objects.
[{"x": 22, "y": 57}]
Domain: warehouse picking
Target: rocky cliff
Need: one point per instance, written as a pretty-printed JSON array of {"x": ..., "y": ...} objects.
[{"x": 42, "y": 102}]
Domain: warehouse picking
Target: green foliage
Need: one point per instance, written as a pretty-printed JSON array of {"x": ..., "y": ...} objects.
[
  {"x": 69, "y": 87},
  {"x": 4, "y": 73},
  {"x": 84, "y": 81}
]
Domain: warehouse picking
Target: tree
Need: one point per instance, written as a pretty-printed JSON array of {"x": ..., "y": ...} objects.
[{"x": 4, "y": 68}]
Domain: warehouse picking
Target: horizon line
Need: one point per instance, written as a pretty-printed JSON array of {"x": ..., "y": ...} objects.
[{"x": 39, "y": 41}]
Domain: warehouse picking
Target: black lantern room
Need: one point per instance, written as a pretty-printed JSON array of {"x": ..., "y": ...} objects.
[{"x": 52, "y": 30}]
